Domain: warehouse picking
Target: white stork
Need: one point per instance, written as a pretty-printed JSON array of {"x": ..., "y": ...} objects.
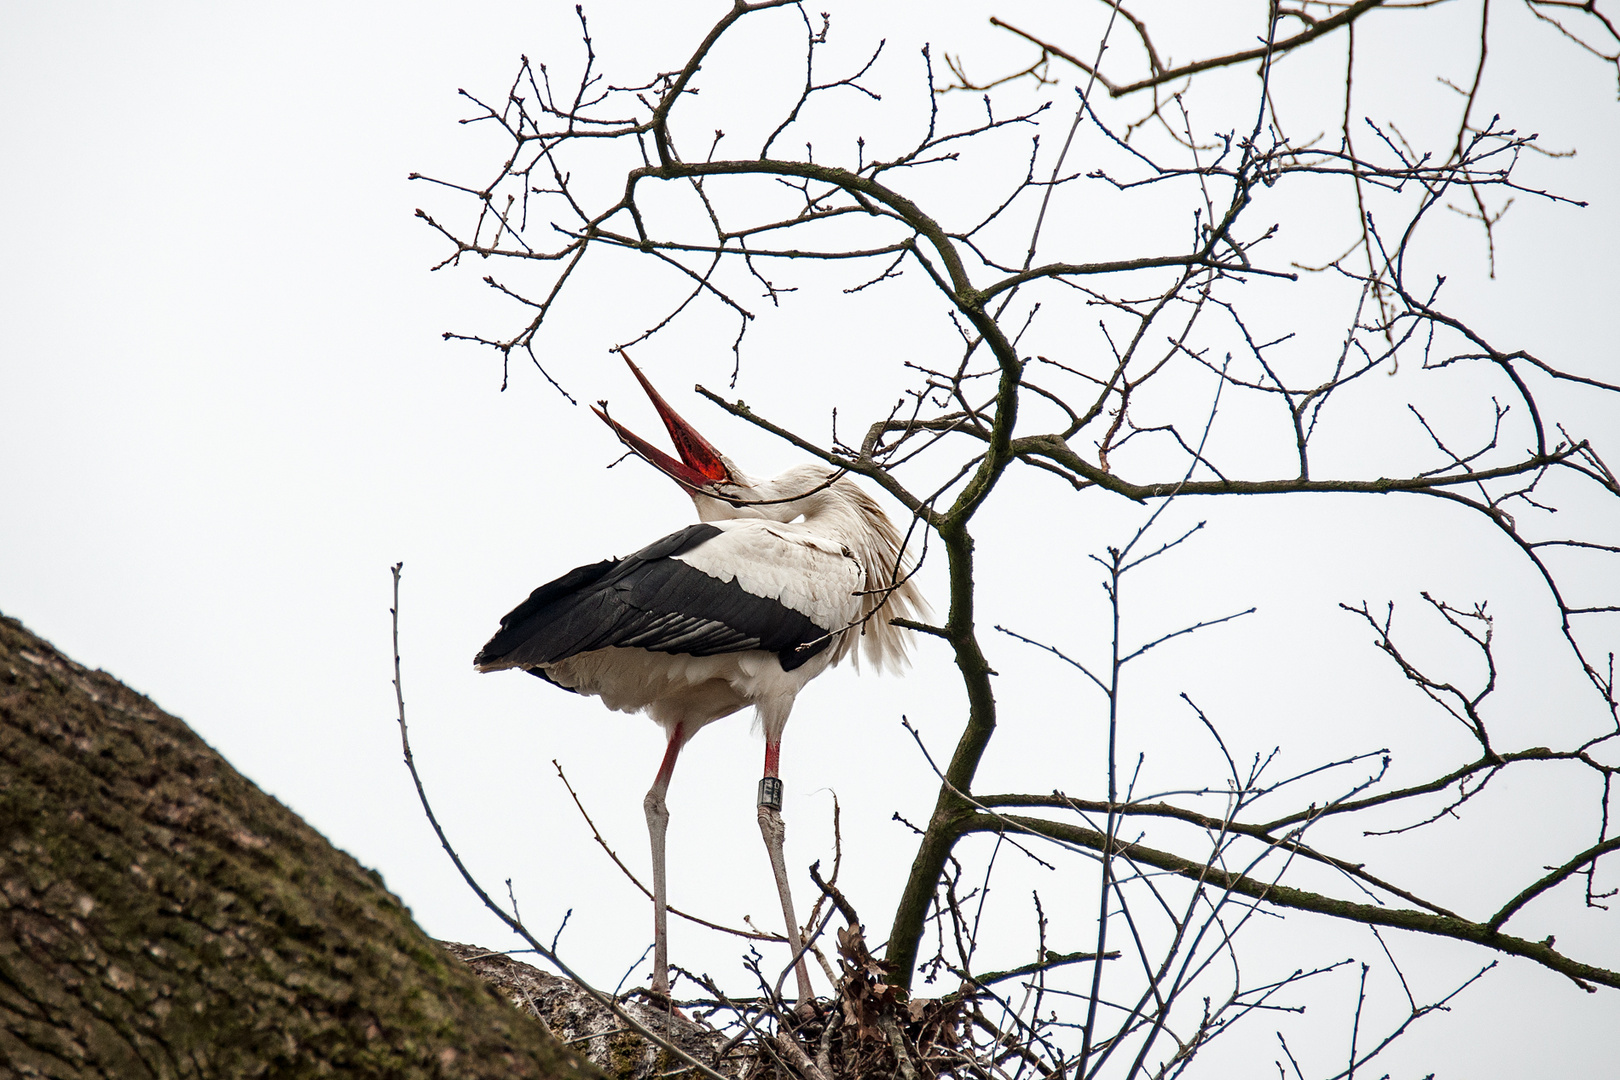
[{"x": 781, "y": 580}]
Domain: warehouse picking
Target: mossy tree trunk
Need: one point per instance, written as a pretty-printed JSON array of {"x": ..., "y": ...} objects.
[{"x": 160, "y": 916}]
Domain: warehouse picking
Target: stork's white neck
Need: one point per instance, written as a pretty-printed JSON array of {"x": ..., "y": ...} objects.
[{"x": 815, "y": 492}]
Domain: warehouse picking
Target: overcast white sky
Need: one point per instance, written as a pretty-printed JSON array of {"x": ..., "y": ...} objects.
[{"x": 225, "y": 411}]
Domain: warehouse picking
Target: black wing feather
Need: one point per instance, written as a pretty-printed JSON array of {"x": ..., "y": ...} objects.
[{"x": 649, "y": 600}]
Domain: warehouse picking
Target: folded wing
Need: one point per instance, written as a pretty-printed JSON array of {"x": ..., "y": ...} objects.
[{"x": 722, "y": 587}]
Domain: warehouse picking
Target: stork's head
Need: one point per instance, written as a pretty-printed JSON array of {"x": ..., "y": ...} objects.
[
  {"x": 823, "y": 495},
  {"x": 718, "y": 488}
]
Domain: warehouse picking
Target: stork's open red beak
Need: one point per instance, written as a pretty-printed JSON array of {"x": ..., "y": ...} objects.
[{"x": 700, "y": 466}]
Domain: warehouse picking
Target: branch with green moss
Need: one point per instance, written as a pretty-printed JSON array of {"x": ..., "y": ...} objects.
[{"x": 1424, "y": 922}]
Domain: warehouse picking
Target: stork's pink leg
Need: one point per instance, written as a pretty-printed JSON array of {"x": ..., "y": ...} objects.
[
  {"x": 657, "y": 825},
  {"x": 774, "y": 831}
]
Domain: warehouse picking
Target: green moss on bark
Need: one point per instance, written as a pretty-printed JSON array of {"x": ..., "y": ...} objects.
[{"x": 160, "y": 916}]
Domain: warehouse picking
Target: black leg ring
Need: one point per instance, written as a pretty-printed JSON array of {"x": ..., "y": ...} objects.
[{"x": 770, "y": 792}]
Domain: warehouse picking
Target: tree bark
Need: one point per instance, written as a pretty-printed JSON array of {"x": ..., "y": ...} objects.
[
  {"x": 160, "y": 916},
  {"x": 571, "y": 1014}
]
